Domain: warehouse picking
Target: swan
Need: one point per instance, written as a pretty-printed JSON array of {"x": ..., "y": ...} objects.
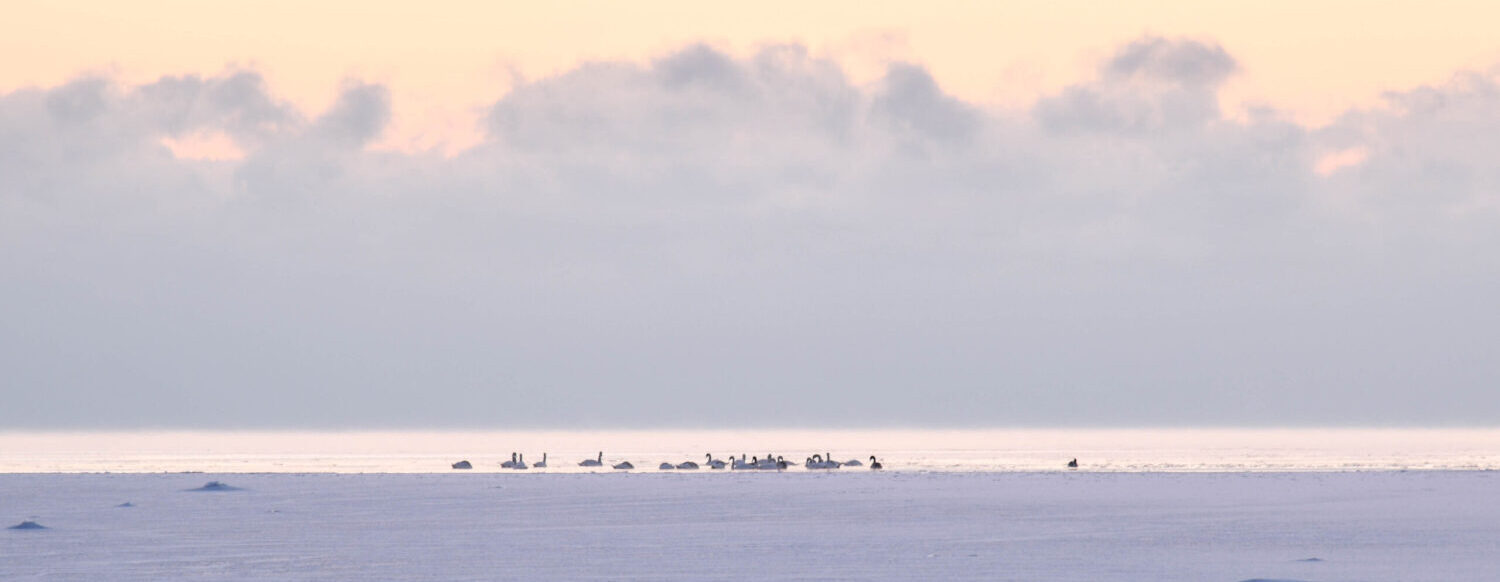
[
  {"x": 463, "y": 465},
  {"x": 757, "y": 463},
  {"x": 874, "y": 464},
  {"x": 832, "y": 464},
  {"x": 819, "y": 462},
  {"x": 714, "y": 463},
  {"x": 593, "y": 462},
  {"x": 854, "y": 463},
  {"x": 688, "y": 465},
  {"x": 1073, "y": 464},
  {"x": 542, "y": 464},
  {"x": 511, "y": 464},
  {"x": 666, "y": 466},
  {"x": 624, "y": 465},
  {"x": 740, "y": 463},
  {"x": 520, "y": 463}
]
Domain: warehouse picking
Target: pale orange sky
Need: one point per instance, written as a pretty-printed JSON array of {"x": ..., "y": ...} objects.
[{"x": 445, "y": 59}]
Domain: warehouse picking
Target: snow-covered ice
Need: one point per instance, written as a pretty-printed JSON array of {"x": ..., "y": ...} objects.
[{"x": 895, "y": 525}]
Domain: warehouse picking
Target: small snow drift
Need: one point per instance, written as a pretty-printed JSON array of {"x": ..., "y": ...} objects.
[
  {"x": 1272, "y": 580},
  {"x": 126, "y": 504},
  {"x": 463, "y": 465},
  {"x": 28, "y": 524},
  {"x": 214, "y": 486},
  {"x": 1313, "y": 559}
]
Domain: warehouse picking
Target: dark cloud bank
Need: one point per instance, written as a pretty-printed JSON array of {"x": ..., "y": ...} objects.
[{"x": 707, "y": 240}]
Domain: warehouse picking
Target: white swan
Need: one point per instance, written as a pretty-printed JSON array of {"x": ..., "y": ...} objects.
[
  {"x": 542, "y": 464},
  {"x": 828, "y": 458},
  {"x": 511, "y": 464},
  {"x": 624, "y": 465},
  {"x": 666, "y": 466},
  {"x": 687, "y": 465},
  {"x": 714, "y": 463},
  {"x": 520, "y": 463},
  {"x": 770, "y": 463},
  {"x": 593, "y": 462},
  {"x": 759, "y": 464},
  {"x": 818, "y": 462},
  {"x": 854, "y": 463}
]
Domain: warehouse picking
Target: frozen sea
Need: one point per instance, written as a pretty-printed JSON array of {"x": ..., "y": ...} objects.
[{"x": 1145, "y": 505}]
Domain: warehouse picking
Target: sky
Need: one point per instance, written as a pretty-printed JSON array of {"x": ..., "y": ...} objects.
[{"x": 674, "y": 214}]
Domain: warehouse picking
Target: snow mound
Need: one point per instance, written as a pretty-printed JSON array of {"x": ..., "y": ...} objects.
[
  {"x": 126, "y": 504},
  {"x": 28, "y": 524},
  {"x": 215, "y": 486},
  {"x": 1314, "y": 559}
]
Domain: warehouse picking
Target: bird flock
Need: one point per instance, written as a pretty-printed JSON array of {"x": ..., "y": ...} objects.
[{"x": 770, "y": 462}]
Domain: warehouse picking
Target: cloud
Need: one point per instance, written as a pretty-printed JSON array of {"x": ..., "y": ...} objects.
[
  {"x": 910, "y": 102},
  {"x": 1152, "y": 85},
  {"x": 312, "y": 157},
  {"x": 359, "y": 116},
  {"x": 1177, "y": 62},
  {"x": 237, "y": 103},
  {"x": 754, "y": 240},
  {"x": 678, "y": 104},
  {"x": 1430, "y": 149}
]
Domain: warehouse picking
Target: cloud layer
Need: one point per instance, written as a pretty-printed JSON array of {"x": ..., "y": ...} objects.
[{"x": 705, "y": 240}]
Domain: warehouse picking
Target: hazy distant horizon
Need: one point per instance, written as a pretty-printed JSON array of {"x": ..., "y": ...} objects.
[
  {"x": 23, "y": 428},
  {"x": 926, "y": 450}
]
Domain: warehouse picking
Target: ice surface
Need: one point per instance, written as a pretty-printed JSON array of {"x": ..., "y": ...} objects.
[{"x": 722, "y": 525}]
